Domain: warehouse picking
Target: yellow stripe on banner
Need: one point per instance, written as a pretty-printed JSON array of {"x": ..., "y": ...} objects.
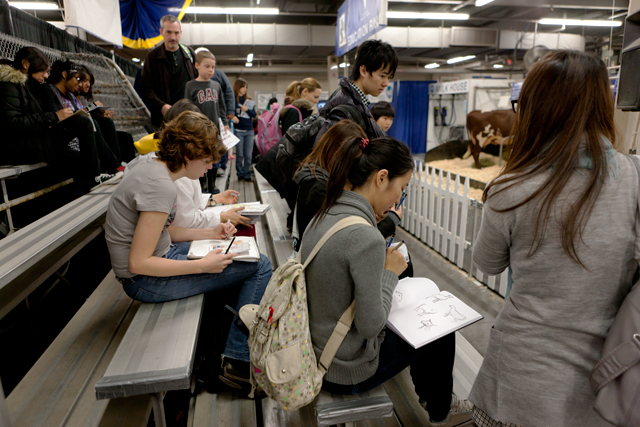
[
  {"x": 184, "y": 9},
  {"x": 141, "y": 43}
]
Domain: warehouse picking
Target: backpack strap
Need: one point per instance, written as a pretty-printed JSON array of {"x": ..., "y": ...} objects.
[
  {"x": 344, "y": 223},
  {"x": 298, "y": 110},
  {"x": 344, "y": 323}
]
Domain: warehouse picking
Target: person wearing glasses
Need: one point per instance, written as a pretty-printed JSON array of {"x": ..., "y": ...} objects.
[
  {"x": 64, "y": 81},
  {"x": 563, "y": 213},
  {"x": 34, "y": 133}
]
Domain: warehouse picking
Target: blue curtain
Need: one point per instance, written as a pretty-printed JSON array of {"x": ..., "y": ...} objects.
[
  {"x": 141, "y": 20},
  {"x": 411, "y": 105}
]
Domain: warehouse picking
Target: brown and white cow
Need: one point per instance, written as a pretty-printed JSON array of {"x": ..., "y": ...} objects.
[{"x": 488, "y": 128}]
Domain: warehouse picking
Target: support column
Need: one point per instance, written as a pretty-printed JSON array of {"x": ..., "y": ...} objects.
[{"x": 332, "y": 73}]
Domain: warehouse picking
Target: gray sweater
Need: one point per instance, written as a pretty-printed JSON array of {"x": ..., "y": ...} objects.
[
  {"x": 551, "y": 331},
  {"x": 350, "y": 265}
]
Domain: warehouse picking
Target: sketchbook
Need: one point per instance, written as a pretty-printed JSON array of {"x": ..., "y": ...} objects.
[
  {"x": 250, "y": 209},
  {"x": 245, "y": 246},
  {"x": 421, "y": 313}
]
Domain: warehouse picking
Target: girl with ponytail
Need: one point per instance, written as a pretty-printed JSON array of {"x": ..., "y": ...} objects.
[{"x": 367, "y": 180}]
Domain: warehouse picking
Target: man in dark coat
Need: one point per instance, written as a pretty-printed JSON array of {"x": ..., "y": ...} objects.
[
  {"x": 375, "y": 65},
  {"x": 167, "y": 69}
]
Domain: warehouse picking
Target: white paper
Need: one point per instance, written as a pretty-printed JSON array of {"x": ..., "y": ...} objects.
[
  {"x": 421, "y": 316},
  {"x": 228, "y": 138},
  {"x": 200, "y": 248},
  {"x": 100, "y": 18}
]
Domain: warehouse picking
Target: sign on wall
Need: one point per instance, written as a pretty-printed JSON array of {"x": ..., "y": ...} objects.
[
  {"x": 460, "y": 86},
  {"x": 357, "y": 21}
]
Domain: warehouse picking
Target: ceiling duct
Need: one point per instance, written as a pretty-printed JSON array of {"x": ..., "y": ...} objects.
[{"x": 475, "y": 37}]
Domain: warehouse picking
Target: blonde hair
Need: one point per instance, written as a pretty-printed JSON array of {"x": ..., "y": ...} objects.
[{"x": 294, "y": 91}]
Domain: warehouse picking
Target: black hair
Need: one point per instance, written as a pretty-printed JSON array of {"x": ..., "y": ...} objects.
[
  {"x": 92, "y": 80},
  {"x": 73, "y": 70},
  {"x": 355, "y": 165},
  {"x": 38, "y": 61},
  {"x": 374, "y": 55},
  {"x": 382, "y": 108}
]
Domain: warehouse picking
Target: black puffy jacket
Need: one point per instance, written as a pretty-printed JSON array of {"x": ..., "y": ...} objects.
[
  {"x": 347, "y": 95},
  {"x": 25, "y": 126}
]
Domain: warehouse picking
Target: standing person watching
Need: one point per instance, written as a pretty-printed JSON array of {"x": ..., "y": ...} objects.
[
  {"x": 243, "y": 129},
  {"x": 563, "y": 213},
  {"x": 383, "y": 114},
  {"x": 375, "y": 64},
  {"x": 304, "y": 96},
  {"x": 167, "y": 69},
  {"x": 206, "y": 95},
  {"x": 149, "y": 254},
  {"x": 367, "y": 179}
]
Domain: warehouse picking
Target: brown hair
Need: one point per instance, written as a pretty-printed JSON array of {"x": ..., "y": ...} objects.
[
  {"x": 189, "y": 136},
  {"x": 204, "y": 54},
  {"x": 325, "y": 150},
  {"x": 239, "y": 84},
  {"x": 294, "y": 91},
  {"x": 565, "y": 100}
]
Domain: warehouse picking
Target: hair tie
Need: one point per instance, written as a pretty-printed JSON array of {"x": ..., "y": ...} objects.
[{"x": 364, "y": 143}]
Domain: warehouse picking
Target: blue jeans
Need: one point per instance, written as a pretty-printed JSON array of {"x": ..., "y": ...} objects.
[
  {"x": 244, "y": 151},
  {"x": 431, "y": 371},
  {"x": 253, "y": 278}
]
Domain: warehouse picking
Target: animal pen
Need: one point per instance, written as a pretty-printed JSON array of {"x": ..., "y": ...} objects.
[{"x": 440, "y": 213}]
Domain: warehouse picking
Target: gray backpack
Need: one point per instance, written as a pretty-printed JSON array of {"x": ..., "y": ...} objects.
[{"x": 616, "y": 377}]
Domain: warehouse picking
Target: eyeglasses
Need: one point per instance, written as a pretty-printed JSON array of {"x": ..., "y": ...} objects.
[{"x": 514, "y": 104}]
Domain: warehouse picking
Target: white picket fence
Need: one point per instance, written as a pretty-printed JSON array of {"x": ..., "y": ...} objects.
[{"x": 446, "y": 220}]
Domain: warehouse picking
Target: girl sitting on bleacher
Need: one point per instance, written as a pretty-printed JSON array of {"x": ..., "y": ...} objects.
[
  {"x": 33, "y": 135},
  {"x": 64, "y": 80},
  {"x": 149, "y": 254},
  {"x": 367, "y": 179}
]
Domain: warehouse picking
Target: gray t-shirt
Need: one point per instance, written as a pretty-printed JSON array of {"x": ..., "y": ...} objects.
[
  {"x": 206, "y": 96},
  {"x": 146, "y": 187}
]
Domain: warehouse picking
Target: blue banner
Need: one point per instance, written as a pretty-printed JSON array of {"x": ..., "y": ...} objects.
[
  {"x": 357, "y": 21},
  {"x": 141, "y": 20}
]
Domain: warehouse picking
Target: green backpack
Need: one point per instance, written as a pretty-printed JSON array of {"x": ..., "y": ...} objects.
[{"x": 283, "y": 362}]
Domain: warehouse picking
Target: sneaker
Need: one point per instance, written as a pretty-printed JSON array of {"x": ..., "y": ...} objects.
[
  {"x": 107, "y": 178},
  {"x": 237, "y": 377},
  {"x": 459, "y": 413}
]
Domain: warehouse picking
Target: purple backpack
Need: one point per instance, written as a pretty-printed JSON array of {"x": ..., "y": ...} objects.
[{"x": 269, "y": 132}]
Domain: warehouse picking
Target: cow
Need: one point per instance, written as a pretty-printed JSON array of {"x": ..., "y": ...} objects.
[{"x": 488, "y": 128}]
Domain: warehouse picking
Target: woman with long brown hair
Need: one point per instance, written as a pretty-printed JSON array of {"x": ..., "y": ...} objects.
[
  {"x": 245, "y": 111},
  {"x": 563, "y": 215}
]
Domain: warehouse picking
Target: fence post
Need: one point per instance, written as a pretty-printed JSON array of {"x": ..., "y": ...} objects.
[
  {"x": 474, "y": 204},
  {"x": 462, "y": 240},
  {"x": 445, "y": 223},
  {"x": 454, "y": 219}
]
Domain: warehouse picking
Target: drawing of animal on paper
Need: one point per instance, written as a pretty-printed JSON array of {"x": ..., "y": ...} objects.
[
  {"x": 455, "y": 314},
  {"x": 440, "y": 297},
  {"x": 426, "y": 324},
  {"x": 423, "y": 309},
  {"x": 398, "y": 296}
]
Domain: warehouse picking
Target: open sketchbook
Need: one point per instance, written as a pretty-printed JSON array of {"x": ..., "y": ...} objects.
[
  {"x": 250, "y": 208},
  {"x": 421, "y": 313},
  {"x": 245, "y": 246}
]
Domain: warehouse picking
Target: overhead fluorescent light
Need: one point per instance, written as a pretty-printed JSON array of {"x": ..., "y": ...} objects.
[
  {"x": 343, "y": 65},
  {"x": 482, "y": 2},
  {"x": 460, "y": 59},
  {"x": 334, "y": 67},
  {"x": 30, "y": 5},
  {"x": 233, "y": 10},
  {"x": 250, "y": 57},
  {"x": 430, "y": 66},
  {"x": 136, "y": 59},
  {"x": 249, "y": 64},
  {"x": 418, "y": 15},
  {"x": 498, "y": 66},
  {"x": 578, "y": 22}
]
